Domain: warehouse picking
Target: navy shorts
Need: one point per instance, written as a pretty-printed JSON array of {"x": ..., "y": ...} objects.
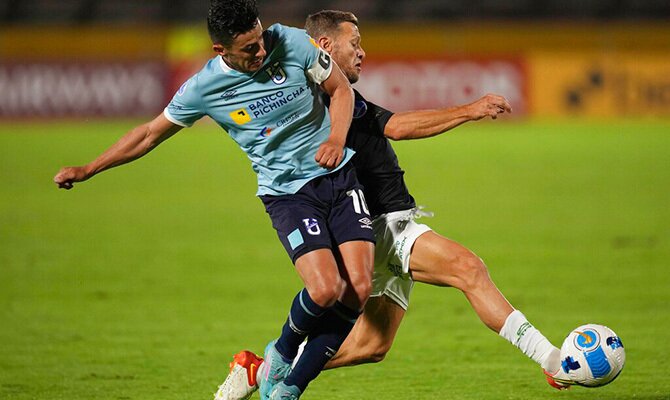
[{"x": 328, "y": 211}]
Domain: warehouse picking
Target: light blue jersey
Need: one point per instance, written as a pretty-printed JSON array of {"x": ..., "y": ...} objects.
[{"x": 274, "y": 114}]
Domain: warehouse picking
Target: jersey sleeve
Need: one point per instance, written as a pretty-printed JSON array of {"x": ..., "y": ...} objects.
[
  {"x": 317, "y": 63},
  {"x": 186, "y": 106},
  {"x": 380, "y": 115},
  {"x": 376, "y": 116}
]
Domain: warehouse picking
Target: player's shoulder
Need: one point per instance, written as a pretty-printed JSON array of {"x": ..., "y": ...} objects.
[
  {"x": 359, "y": 96},
  {"x": 279, "y": 33},
  {"x": 201, "y": 81},
  {"x": 361, "y": 105},
  {"x": 197, "y": 80},
  {"x": 285, "y": 30},
  {"x": 365, "y": 110}
]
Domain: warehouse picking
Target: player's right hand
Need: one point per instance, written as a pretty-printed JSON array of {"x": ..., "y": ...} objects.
[
  {"x": 67, "y": 176},
  {"x": 489, "y": 105},
  {"x": 329, "y": 155}
]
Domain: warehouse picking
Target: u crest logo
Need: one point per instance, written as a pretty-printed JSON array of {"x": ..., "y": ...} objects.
[
  {"x": 277, "y": 73},
  {"x": 312, "y": 226}
]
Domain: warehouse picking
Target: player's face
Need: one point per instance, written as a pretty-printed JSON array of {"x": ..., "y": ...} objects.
[
  {"x": 347, "y": 51},
  {"x": 247, "y": 51}
]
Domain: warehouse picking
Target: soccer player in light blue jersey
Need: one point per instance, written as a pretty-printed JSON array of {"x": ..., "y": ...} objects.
[{"x": 263, "y": 88}]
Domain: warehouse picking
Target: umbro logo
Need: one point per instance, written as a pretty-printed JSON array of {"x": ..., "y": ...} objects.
[
  {"x": 229, "y": 94},
  {"x": 365, "y": 222}
]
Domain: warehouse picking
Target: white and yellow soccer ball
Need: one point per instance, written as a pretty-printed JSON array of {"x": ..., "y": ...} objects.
[{"x": 592, "y": 355}]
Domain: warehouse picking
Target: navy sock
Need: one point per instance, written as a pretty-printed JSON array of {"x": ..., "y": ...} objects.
[
  {"x": 301, "y": 321},
  {"x": 322, "y": 344}
]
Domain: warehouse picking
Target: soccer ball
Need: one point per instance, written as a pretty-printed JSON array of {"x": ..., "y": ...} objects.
[{"x": 592, "y": 355}]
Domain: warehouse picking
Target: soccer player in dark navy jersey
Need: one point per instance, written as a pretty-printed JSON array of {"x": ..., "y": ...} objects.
[{"x": 406, "y": 251}]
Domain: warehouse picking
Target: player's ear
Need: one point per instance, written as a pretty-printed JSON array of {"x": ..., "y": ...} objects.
[
  {"x": 325, "y": 43},
  {"x": 219, "y": 49}
]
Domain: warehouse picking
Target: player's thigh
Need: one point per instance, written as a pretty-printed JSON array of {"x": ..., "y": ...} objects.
[
  {"x": 300, "y": 222},
  {"x": 376, "y": 328},
  {"x": 437, "y": 260},
  {"x": 357, "y": 260}
]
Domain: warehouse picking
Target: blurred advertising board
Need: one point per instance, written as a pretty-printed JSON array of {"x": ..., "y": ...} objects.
[
  {"x": 407, "y": 84},
  {"x": 82, "y": 89},
  {"x": 600, "y": 84}
]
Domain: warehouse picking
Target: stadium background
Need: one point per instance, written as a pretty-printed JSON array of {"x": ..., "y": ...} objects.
[{"x": 142, "y": 282}]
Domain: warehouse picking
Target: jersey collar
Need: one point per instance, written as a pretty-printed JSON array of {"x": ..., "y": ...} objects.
[{"x": 226, "y": 69}]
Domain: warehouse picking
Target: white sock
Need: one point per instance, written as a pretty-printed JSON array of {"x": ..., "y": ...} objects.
[{"x": 518, "y": 331}]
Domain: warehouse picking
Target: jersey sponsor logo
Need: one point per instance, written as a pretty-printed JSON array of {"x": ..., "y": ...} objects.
[
  {"x": 360, "y": 108},
  {"x": 277, "y": 73},
  {"x": 288, "y": 120},
  {"x": 324, "y": 60},
  {"x": 241, "y": 116},
  {"x": 274, "y": 101},
  {"x": 312, "y": 226},
  {"x": 265, "y": 132}
]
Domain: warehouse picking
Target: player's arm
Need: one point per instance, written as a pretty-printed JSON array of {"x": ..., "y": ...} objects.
[
  {"x": 133, "y": 145},
  {"x": 427, "y": 123},
  {"x": 331, "y": 152}
]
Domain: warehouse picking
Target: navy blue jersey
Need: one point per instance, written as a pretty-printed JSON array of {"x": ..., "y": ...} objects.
[{"x": 375, "y": 161}]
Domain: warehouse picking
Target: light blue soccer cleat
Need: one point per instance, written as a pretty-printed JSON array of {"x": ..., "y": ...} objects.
[
  {"x": 275, "y": 370},
  {"x": 283, "y": 392}
]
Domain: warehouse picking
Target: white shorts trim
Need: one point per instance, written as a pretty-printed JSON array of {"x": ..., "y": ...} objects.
[{"x": 396, "y": 233}]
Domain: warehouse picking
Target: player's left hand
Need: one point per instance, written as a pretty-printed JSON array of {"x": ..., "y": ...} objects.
[{"x": 329, "y": 155}]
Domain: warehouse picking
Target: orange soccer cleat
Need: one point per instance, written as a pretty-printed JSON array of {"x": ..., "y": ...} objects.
[{"x": 241, "y": 382}]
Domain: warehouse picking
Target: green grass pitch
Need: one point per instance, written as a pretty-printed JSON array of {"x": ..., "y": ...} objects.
[{"x": 141, "y": 283}]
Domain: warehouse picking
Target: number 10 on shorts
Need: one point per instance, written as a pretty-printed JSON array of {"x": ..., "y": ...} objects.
[{"x": 359, "y": 201}]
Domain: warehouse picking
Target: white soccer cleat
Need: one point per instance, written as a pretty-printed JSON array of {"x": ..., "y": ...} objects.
[{"x": 241, "y": 382}]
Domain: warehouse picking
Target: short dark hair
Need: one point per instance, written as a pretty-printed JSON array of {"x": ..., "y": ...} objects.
[
  {"x": 228, "y": 18},
  {"x": 327, "y": 22}
]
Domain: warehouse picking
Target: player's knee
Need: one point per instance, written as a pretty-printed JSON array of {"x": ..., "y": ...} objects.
[
  {"x": 326, "y": 293},
  {"x": 362, "y": 288},
  {"x": 472, "y": 271}
]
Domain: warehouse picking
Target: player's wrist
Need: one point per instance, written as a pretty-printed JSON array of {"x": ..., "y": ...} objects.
[
  {"x": 89, "y": 170},
  {"x": 336, "y": 140},
  {"x": 471, "y": 112}
]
